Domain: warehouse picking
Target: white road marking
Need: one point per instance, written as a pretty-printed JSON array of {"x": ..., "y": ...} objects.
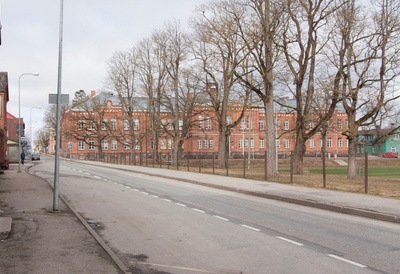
[
  {"x": 145, "y": 193},
  {"x": 221, "y": 218},
  {"x": 179, "y": 204},
  {"x": 167, "y": 200},
  {"x": 87, "y": 173},
  {"x": 250, "y": 227},
  {"x": 135, "y": 189},
  {"x": 347, "y": 261},
  {"x": 97, "y": 177},
  {"x": 198, "y": 210},
  {"x": 290, "y": 241},
  {"x": 154, "y": 196},
  {"x": 127, "y": 187}
]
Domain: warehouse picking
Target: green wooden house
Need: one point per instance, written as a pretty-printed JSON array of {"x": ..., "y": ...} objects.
[{"x": 379, "y": 141}]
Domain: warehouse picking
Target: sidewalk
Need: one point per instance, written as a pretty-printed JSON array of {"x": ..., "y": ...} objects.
[
  {"x": 37, "y": 240},
  {"x": 365, "y": 205}
]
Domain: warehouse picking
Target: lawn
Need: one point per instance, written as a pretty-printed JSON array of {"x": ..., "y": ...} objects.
[{"x": 377, "y": 171}]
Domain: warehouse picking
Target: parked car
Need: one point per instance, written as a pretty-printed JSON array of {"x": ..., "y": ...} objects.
[
  {"x": 390, "y": 155},
  {"x": 35, "y": 157}
]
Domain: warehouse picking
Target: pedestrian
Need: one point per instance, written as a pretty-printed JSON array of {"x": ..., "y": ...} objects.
[{"x": 22, "y": 157}]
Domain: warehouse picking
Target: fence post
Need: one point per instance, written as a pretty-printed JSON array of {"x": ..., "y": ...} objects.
[
  {"x": 199, "y": 157},
  {"x": 323, "y": 169},
  {"x": 188, "y": 161},
  {"x": 265, "y": 167},
  {"x": 227, "y": 166},
  {"x": 168, "y": 160},
  {"x": 291, "y": 167},
  {"x": 366, "y": 172},
  {"x": 213, "y": 156}
]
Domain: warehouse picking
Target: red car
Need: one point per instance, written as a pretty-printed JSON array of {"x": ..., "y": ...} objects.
[{"x": 390, "y": 155}]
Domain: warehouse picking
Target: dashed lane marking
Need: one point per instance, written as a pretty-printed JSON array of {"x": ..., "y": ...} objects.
[
  {"x": 250, "y": 227},
  {"x": 347, "y": 261},
  {"x": 289, "y": 241}
]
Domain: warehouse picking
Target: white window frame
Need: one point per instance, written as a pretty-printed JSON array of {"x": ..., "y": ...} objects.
[
  {"x": 113, "y": 124},
  {"x": 81, "y": 145},
  {"x": 114, "y": 144},
  {"x": 104, "y": 144}
]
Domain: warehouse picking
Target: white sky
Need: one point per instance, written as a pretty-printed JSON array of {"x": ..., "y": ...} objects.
[{"x": 93, "y": 31}]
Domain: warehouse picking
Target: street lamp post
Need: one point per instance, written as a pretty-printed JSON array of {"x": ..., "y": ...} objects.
[
  {"x": 30, "y": 125},
  {"x": 19, "y": 117}
]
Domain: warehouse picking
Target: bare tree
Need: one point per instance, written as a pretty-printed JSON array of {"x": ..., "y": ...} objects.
[
  {"x": 258, "y": 29},
  {"x": 152, "y": 76},
  {"x": 370, "y": 65},
  {"x": 178, "y": 45},
  {"x": 219, "y": 52},
  {"x": 303, "y": 39},
  {"x": 121, "y": 79}
]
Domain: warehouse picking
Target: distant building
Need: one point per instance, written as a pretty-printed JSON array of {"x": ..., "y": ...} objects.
[
  {"x": 248, "y": 136},
  {"x": 379, "y": 141}
]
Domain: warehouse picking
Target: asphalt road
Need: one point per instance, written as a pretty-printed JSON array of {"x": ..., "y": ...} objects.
[{"x": 179, "y": 227}]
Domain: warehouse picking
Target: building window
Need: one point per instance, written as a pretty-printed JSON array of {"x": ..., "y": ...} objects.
[
  {"x": 104, "y": 124},
  {"x": 286, "y": 125},
  {"x": 201, "y": 122},
  {"x": 229, "y": 120},
  {"x": 311, "y": 125},
  {"x": 277, "y": 143},
  {"x": 251, "y": 143},
  {"x": 91, "y": 144},
  {"x": 199, "y": 144},
  {"x": 136, "y": 124},
  {"x": 329, "y": 142},
  {"x": 311, "y": 143},
  {"x": 170, "y": 124},
  {"x": 240, "y": 143},
  {"x": 91, "y": 125},
  {"x": 80, "y": 124},
  {"x": 169, "y": 142},
  {"x": 211, "y": 143},
  {"x": 347, "y": 142},
  {"x": 339, "y": 124},
  {"x": 205, "y": 144},
  {"x": 163, "y": 144},
  {"x": 393, "y": 149},
  {"x": 261, "y": 125},
  {"x": 126, "y": 124},
  {"x": 208, "y": 122},
  {"x": 261, "y": 143},
  {"x": 286, "y": 143},
  {"x": 114, "y": 144},
  {"x": 113, "y": 124},
  {"x": 137, "y": 144},
  {"x": 81, "y": 145},
  {"x": 126, "y": 144},
  {"x": 104, "y": 145},
  {"x": 339, "y": 142},
  {"x": 180, "y": 122}
]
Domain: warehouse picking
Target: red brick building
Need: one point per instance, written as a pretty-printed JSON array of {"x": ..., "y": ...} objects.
[{"x": 247, "y": 136}]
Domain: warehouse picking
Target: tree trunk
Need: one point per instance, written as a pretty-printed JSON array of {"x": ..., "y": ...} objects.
[
  {"x": 299, "y": 150},
  {"x": 352, "y": 159}
]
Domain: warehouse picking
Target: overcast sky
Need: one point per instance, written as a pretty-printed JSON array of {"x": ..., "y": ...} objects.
[{"x": 93, "y": 31}]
